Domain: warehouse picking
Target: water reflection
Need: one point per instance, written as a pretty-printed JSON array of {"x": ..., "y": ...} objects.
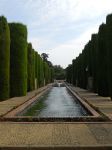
[{"x": 60, "y": 103}]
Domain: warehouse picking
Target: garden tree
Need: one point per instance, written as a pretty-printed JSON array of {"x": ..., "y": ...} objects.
[
  {"x": 46, "y": 73},
  {"x": 94, "y": 44},
  {"x": 18, "y": 59},
  {"x": 21, "y": 67},
  {"x": 52, "y": 74},
  {"x": 109, "y": 53},
  {"x": 73, "y": 71},
  {"x": 41, "y": 72},
  {"x": 49, "y": 74},
  {"x": 30, "y": 68},
  {"x": 84, "y": 69},
  {"x": 48, "y": 68},
  {"x": 69, "y": 74},
  {"x": 59, "y": 72},
  {"x": 4, "y": 58},
  {"x": 45, "y": 57},
  {"x": 50, "y": 64},
  {"x": 95, "y": 61},
  {"x": 33, "y": 70},
  {"x": 102, "y": 65},
  {"x": 36, "y": 70}
]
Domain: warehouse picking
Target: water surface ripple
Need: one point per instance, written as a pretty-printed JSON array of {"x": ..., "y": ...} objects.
[{"x": 60, "y": 103}]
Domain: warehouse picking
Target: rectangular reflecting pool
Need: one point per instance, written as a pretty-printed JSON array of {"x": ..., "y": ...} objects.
[{"x": 58, "y": 102}]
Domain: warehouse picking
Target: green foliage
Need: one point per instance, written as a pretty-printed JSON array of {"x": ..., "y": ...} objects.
[
  {"x": 21, "y": 68},
  {"x": 102, "y": 65},
  {"x": 69, "y": 74},
  {"x": 30, "y": 68},
  {"x": 36, "y": 69},
  {"x": 52, "y": 74},
  {"x": 59, "y": 72},
  {"x": 18, "y": 59},
  {"x": 4, "y": 58},
  {"x": 41, "y": 72},
  {"x": 109, "y": 52},
  {"x": 46, "y": 73},
  {"x": 95, "y": 61}
]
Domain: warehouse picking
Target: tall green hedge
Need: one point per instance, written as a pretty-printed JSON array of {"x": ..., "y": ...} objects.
[
  {"x": 4, "y": 58},
  {"x": 21, "y": 67},
  {"x": 30, "y": 68},
  {"x": 102, "y": 65},
  {"x": 52, "y": 75},
  {"x": 95, "y": 61},
  {"x": 33, "y": 71},
  {"x": 109, "y": 52},
  {"x": 36, "y": 69},
  {"x": 46, "y": 73},
  {"x": 18, "y": 59},
  {"x": 41, "y": 72}
]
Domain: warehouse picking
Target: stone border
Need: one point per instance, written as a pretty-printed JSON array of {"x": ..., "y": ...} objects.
[
  {"x": 11, "y": 116},
  {"x": 20, "y": 108},
  {"x": 57, "y": 147},
  {"x": 85, "y": 105}
]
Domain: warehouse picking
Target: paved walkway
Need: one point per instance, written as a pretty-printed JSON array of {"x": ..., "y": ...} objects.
[
  {"x": 56, "y": 135},
  {"x": 78, "y": 136},
  {"x": 102, "y": 104},
  {"x": 12, "y": 103}
]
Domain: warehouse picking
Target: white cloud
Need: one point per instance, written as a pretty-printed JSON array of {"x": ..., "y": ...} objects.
[
  {"x": 64, "y": 53},
  {"x": 68, "y": 10},
  {"x": 48, "y": 20},
  {"x": 90, "y": 12}
]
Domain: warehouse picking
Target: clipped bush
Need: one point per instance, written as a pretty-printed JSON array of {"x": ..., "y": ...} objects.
[
  {"x": 36, "y": 70},
  {"x": 18, "y": 59},
  {"x": 95, "y": 62},
  {"x": 109, "y": 52},
  {"x": 4, "y": 58},
  {"x": 30, "y": 68},
  {"x": 41, "y": 72}
]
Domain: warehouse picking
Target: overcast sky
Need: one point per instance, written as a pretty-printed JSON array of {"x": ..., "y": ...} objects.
[{"x": 60, "y": 28}]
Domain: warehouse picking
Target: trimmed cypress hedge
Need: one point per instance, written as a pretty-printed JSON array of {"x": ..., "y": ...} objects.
[
  {"x": 4, "y": 58},
  {"x": 21, "y": 68},
  {"x": 18, "y": 59},
  {"x": 41, "y": 72},
  {"x": 95, "y": 61},
  {"x": 33, "y": 69},
  {"x": 30, "y": 68},
  {"x": 109, "y": 52},
  {"x": 36, "y": 69},
  {"x": 102, "y": 58},
  {"x": 46, "y": 73},
  {"x": 52, "y": 74}
]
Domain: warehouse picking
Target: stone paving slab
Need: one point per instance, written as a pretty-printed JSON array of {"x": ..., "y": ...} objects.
[
  {"x": 55, "y": 134},
  {"x": 99, "y": 98},
  {"x": 103, "y": 104},
  {"x": 10, "y": 104}
]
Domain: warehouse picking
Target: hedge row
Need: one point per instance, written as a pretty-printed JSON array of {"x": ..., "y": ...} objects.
[
  {"x": 4, "y": 58},
  {"x": 95, "y": 62},
  {"x": 39, "y": 72},
  {"x": 18, "y": 59},
  {"x": 21, "y": 67}
]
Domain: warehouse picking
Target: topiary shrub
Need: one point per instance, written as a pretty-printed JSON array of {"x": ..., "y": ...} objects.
[
  {"x": 4, "y": 58},
  {"x": 40, "y": 65},
  {"x": 31, "y": 68},
  {"x": 18, "y": 59},
  {"x": 109, "y": 53},
  {"x": 36, "y": 69}
]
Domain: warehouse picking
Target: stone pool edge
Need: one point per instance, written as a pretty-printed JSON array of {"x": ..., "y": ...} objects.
[
  {"x": 19, "y": 108},
  {"x": 11, "y": 116}
]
